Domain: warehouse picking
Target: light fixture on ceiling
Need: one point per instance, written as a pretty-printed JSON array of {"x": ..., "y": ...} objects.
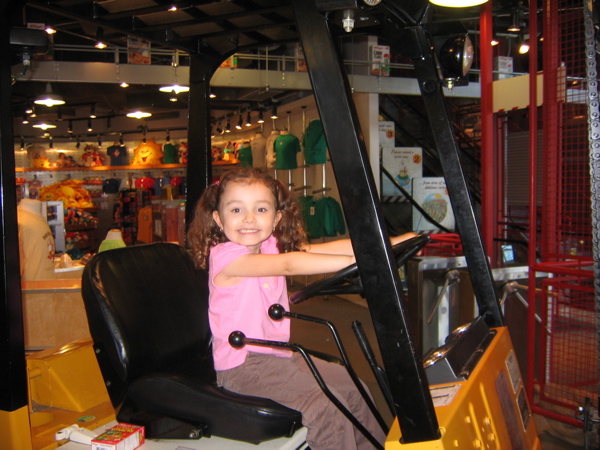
[
  {"x": 174, "y": 88},
  {"x": 172, "y": 8},
  {"x": 70, "y": 129},
  {"x": 90, "y": 127},
  {"x": 261, "y": 117},
  {"x": 43, "y": 125},
  {"x": 25, "y": 119},
  {"x": 212, "y": 94},
  {"x": 274, "y": 112},
  {"x": 494, "y": 42},
  {"x": 50, "y": 29},
  {"x": 456, "y": 59},
  {"x": 524, "y": 44},
  {"x": 49, "y": 98},
  {"x": 124, "y": 84},
  {"x": 173, "y": 97},
  {"x": 100, "y": 39},
  {"x": 228, "y": 127},
  {"x": 139, "y": 114},
  {"x": 93, "y": 111},
  {"x": 248, "y": 119},
  {"x": 240, "y": 123},
  {"x": 457, "y": 3},
  {"x": 220, "y": 129},
  {"x": 515, "y": 26}
]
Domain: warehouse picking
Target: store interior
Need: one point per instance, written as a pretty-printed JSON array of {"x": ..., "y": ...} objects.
[{"x": 101, "y": 171}]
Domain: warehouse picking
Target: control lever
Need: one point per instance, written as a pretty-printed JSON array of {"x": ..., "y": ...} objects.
[
  {"x": 278, "y": 312},
  {"x": 452, "y": 277},
  {"x": 237, "y": 339},
  {"x": 380, "y": 376}
]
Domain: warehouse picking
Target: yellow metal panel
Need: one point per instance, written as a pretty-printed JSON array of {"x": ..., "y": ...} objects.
[
  {"x": 471, "y": 413},
  {"x": 14, "y": 429},
  {"x": 66, "y": 377}
]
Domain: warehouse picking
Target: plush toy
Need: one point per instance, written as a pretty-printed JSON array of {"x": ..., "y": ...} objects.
[
  {"x": 147, "y": 153},
  {"x": 183, "y": 153},
  {"x": 41, "y": 163},
  {"x": 91, "y": 156}
]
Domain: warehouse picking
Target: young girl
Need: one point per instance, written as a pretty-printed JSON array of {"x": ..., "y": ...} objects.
[{"x": 247, "y": 230}]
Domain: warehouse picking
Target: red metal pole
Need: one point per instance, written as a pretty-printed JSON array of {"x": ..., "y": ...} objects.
[{"x": 488, "y": 193}]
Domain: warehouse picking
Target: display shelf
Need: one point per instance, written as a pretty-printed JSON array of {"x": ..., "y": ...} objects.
[{"x": 100, "y": 168}]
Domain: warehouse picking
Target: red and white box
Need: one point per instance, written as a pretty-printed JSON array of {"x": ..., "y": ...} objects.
[{"x": 123, "y": 436}]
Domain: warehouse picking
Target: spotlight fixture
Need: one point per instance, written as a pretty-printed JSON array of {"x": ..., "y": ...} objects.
[
  {"x": 228, "y": 127},
  {"x": 173, "y": 97},
  {"x": 274, "y": 112},
  {"x": 248, "y": 119},
  {"x": 51, "y": 143},
  {"x": 124, "y": 84},
  {"x": 261, "y": 118},
  {"x": 90, "y": 127},
  {"x": 219, "y": 129},
  {"x": 456, "y": 58},
  {"x": 240, "y": 123},
  {"x": 494, "y": 42},
  {"x": 212, "y": 94},
  {"x": 516, "y": 22},
  {"x": 49, "y": 98},
  {"x": 524, "y": 45},
  {"x": 457, "y": 3},
  {"x": 70, "y": 129},
  {"x": 44, "y": 126},
  {"x": 29, "y": 109},
  {"x": 174, "y": 88},
  {"x": 100, "y": 39},
  {"x": 172, "y": 8},
  {"x": 49, "y": 29},
  {"x": 108, "y": 122},
  {"x": 25, "y": 119},
  {"x": 139, "y": 114},
  {"x": 93, "y": 111}
]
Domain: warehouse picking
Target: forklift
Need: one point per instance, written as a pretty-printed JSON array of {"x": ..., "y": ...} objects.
[{"x": 478, "y": 399}]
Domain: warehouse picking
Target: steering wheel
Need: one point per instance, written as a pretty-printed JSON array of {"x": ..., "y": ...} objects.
[{"x": 347, "y": 280}]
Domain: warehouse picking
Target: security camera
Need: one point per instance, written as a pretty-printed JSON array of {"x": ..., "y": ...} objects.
[{"x": 27, "y": 42}]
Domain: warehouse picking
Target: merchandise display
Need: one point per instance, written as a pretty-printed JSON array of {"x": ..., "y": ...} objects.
[
  {"x": 118, "y": 154},
  {"x": 286, "y": 146},
  {"x": 259, "y": 149},
  {"x": 270, "y": 144},
  {"x": 315, "y": 145}
]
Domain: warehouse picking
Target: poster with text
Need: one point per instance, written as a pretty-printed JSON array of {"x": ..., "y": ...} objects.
[
  {"x": 387, "y": 134},
  {"x": 403, "y": 164},
  {"x": 138, "y": 51},
  {"x": 431, "y": 194}
]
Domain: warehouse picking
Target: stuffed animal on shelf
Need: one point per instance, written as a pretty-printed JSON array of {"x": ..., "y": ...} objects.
[
  {"x": 91, "y": 156},
  {"x": 147, "y": 153},
  {"x": 183, "y": 153}
]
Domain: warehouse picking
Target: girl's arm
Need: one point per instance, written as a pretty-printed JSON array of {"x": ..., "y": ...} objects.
[
  {"x": 286, "y": 264},
  {"x": 344, "y": 246}
]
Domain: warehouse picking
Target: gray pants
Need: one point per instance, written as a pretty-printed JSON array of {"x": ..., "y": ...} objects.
[{"x": 288, "y": 381}]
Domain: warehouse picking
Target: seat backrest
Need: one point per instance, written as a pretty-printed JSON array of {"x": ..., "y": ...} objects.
[{"x": 147, "y": 309}]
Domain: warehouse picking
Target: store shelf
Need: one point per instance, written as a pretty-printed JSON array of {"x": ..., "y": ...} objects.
[{"x": 100, "y": 168}]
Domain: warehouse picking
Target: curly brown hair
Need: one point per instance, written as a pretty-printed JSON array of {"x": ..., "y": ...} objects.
[{"x": 203, "y": 233}]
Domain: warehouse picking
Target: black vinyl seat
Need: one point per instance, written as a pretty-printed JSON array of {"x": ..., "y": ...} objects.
[{"x": 147, "y": 309}]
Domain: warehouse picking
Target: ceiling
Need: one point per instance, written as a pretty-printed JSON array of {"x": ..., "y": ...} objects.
[{"x": 176, "y": 29}]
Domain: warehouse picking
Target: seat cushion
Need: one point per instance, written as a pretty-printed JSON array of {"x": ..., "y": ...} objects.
[{"x": 224, "y": 413}]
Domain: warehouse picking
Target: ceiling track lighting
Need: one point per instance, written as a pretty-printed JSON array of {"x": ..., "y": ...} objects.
[
  {"x": 212, "y": 94},
  {"x": 248, "y": 120},
  {"x": 70, "y": 129},
  {"x": 139, "y": 114},
  {"x": 261, "y": 117},
  {"x": 228, "y": 127},
  {"x": 49, "y": 98},
  {"x": 93, "y": 111},
  {"x": 44, "y": 126},
  {"x": 240, "y": 123},
  {"x": 274, "y": 112},
  {"x": 89, "y": 126}
]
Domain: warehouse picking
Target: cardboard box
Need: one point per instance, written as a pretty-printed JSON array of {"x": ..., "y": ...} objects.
[
  {"x": 123, "y": 436},
  {"x": 380, "y": 60}
]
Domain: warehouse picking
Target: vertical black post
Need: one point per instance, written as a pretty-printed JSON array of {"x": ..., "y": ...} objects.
[
  {"x": 13, "y": 388},
  {"x": 199, "y": 166},
  {"x": 466, "y": 223},
  {"x": 377, "y": 267}
]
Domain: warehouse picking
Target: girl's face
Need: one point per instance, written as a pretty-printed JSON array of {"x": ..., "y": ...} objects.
[{"x": 247, "y": 214}]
